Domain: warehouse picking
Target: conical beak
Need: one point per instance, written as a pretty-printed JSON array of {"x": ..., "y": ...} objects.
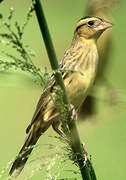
[{"x": 105, "y": 25}]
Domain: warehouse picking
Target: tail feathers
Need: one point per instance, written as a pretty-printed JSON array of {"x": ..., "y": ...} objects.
[{"x": 23, "y": 155}]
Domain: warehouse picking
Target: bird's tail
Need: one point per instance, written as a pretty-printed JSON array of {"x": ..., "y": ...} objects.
[{"x": 23, "y": 155}]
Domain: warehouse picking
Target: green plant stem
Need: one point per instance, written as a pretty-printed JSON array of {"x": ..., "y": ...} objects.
[
  {"x": 76, "y": 144},
  {"x": 49, "y": 47}
]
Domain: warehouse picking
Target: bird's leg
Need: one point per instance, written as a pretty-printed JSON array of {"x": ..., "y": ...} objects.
[{"x": 74, "y": 115}]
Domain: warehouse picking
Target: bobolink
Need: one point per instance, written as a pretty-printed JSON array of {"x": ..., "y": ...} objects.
[{"x": 81, "y": 61}]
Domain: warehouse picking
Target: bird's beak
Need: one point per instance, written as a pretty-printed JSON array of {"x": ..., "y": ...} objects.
[{"x": 105, "y": 25}]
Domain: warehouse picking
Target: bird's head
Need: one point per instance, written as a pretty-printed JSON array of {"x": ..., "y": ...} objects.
[{"x": 91, "y": 27}]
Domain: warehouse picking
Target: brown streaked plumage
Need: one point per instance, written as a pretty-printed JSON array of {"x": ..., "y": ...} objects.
[{"x": 79, "y": 66}]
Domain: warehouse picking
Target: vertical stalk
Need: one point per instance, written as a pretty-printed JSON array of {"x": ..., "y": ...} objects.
[
  {"x": 49, "y": 47},
  {"x": 76, "y": 144}
]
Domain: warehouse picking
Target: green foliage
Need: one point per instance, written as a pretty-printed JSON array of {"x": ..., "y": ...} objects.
[
  {"x": 12, "y": 37},
  {"x": 63, "y": 110}
]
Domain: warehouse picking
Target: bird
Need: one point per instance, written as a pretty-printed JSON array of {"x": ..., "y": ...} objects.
[{"x": 78, "y": 67}]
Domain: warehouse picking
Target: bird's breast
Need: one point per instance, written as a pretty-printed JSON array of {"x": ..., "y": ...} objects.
[{"x": 79, "y": 82}]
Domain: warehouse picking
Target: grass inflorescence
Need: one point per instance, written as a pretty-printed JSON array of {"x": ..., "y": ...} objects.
[{"x": 12, "y": 36}]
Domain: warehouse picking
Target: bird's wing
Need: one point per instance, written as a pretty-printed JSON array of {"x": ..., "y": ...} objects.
[
  {"x": 41, "y": 103},
  {"x": 49, "y": 88}
]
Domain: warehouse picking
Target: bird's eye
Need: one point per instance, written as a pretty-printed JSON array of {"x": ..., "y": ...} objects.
[{"x": 91, "y": 23}]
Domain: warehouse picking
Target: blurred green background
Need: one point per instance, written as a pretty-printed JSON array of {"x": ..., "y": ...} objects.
[{"x": 105, "y": 133}]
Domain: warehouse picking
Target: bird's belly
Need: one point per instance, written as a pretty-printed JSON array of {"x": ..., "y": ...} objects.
[{"x": 78, "y": 86}]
